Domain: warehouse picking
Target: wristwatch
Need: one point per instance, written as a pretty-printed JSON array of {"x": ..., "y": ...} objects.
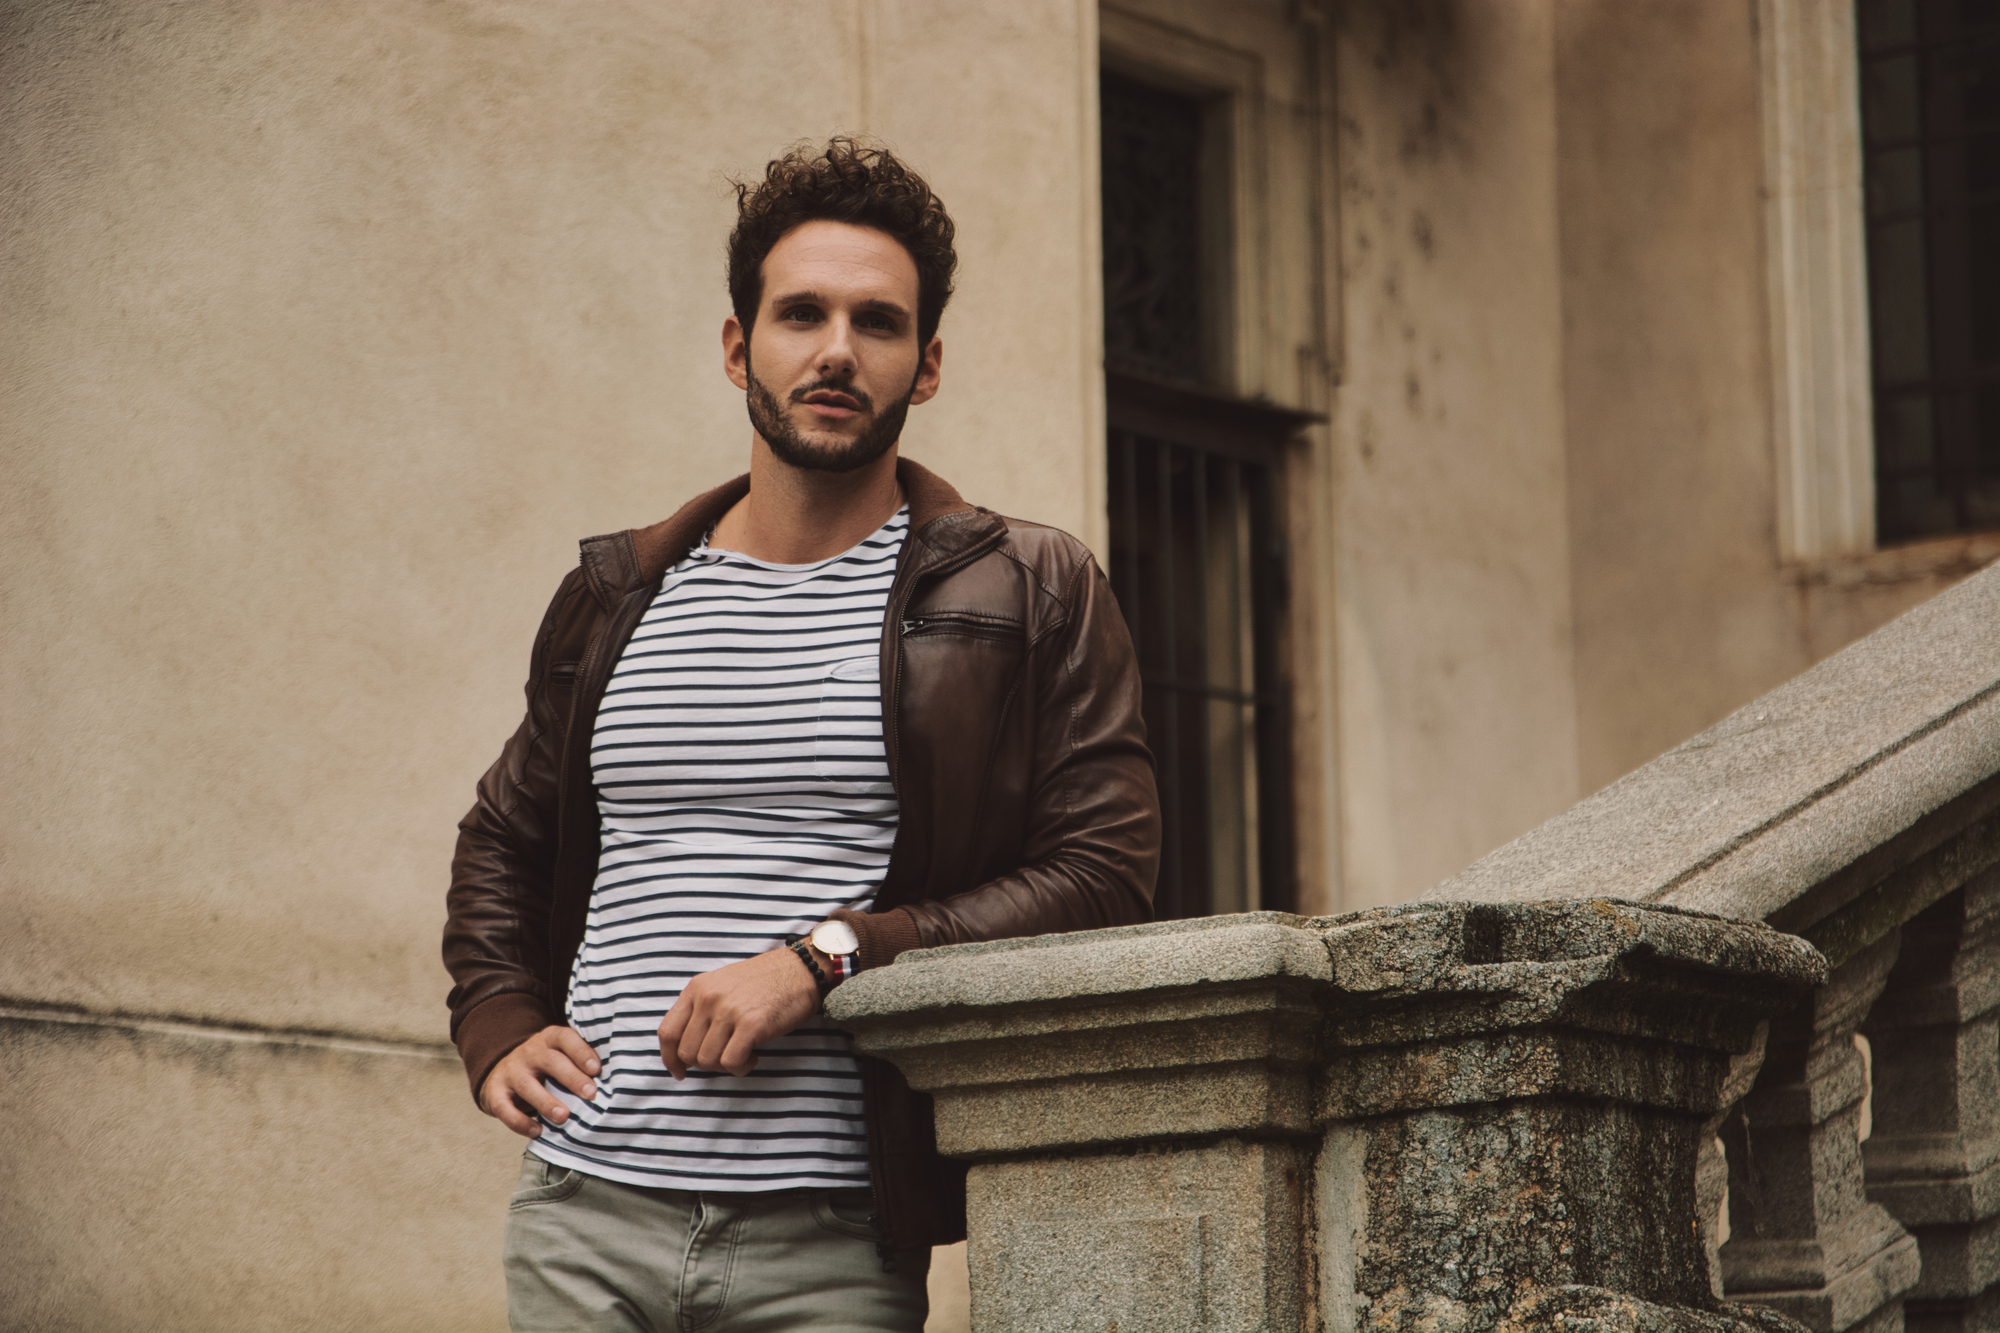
[{"x": 835, "y": 939}]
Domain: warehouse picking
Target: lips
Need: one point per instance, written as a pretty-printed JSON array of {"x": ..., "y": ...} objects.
[{"x": 832, "y": 398}]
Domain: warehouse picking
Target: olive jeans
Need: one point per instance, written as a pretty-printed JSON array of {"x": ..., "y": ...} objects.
[{"x": 585, "y": 1254}]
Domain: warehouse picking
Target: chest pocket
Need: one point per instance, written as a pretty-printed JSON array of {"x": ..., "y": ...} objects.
[{"x": 847, "y": 742}]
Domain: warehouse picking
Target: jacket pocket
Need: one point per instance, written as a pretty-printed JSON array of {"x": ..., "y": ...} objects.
[
  {"x": 963, "y": 623},
  {"x": 847, "y": 740}
]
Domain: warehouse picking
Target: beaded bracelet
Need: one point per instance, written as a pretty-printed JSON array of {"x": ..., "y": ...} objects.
[{"x": 798, "y": 946}]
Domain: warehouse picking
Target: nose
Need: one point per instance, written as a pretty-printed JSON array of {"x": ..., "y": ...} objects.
[{"x": 836, "y": 353}]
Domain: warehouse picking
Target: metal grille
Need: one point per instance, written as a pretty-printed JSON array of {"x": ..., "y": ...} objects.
[
  {"x": 1198, "y": 566},
  {"x": 1152, "y": 230},
  {"x": 1930, "y": 83}
]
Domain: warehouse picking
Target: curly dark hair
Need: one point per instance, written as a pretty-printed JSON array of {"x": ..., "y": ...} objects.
[{"x": 847, "y": 181}]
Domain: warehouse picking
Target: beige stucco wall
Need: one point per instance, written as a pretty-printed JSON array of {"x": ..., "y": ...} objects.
[
  {"x": 1554, "y": 486},
  {"x": 179, "y": 1178},
  {"x": 330, "y": 329},
  {"x": 1684, "y": 610},
  {"x": 1457, "y": 718},
  {"x": 1673, "y": 507}
]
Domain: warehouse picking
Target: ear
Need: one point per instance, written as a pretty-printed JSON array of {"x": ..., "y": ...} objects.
[
  {"x": 930, "y": 373},
  {"x": 735, "y": 353}
]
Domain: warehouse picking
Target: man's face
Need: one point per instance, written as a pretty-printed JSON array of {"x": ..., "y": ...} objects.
[{"x": 832, "y": 363}]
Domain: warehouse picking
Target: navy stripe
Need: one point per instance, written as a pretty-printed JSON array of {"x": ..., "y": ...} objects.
[{"x": 743, "y": 794}]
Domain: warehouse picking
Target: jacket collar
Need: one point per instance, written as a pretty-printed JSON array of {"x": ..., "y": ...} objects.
[{"x": 617, "y": 563}]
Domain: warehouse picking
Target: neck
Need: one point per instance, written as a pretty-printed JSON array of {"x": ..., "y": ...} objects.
[{"x": 793, "y": 516}]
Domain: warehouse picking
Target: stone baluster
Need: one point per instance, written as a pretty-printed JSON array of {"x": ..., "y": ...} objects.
[
  {"x": 1712, "y": 1173},
  {"x": 1804, "y": 1239},
  {"x": 1436, "y": 1117},
  {"x": 1934, "y": 1157}
]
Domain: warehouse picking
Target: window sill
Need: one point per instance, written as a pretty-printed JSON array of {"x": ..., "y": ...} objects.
[{"x": 1947, "y": 558}]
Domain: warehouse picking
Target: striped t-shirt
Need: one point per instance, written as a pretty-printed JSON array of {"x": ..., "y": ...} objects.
[{"x": 743, "y": 794}]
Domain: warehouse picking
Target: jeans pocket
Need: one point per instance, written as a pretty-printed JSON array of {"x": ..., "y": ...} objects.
[
  {"x": 543, "y": 1182},
  {"x": 847, "y": 1213}
]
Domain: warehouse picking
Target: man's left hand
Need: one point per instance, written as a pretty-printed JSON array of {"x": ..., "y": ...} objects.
[{"x": 723, "y": 1016}]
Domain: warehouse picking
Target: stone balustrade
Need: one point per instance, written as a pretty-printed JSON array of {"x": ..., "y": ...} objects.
[
  {"x": 1857, "y": 806},
  {"x": 1613, "y": 1078},
  {"x": 1429, "y": 1117},
  {"x": 1933, "y": 1159}
]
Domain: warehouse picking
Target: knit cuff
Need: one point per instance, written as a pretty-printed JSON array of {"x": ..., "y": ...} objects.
[
  {"x": 491, "y": 1029},
  {"x": 883, "y": 935}
]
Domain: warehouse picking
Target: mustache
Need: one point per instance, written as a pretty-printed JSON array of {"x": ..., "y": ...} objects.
[{"x": 859, "y": 395}]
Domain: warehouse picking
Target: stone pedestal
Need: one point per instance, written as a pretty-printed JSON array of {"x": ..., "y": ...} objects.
[
  {"x": 1517, "y": 1097},
  {"x": 1449, "y": 1118},
  {"x": 1934, "y": 1157},
  {"x": 1803, "y": 1237},
  {"x": 1136, "y": 1105}
]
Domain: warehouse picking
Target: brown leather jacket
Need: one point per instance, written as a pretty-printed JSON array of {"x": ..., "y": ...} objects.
[{"x": 1010, "y": 702}]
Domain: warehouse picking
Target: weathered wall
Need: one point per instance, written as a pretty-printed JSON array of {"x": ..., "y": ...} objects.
[
  {"x": 1673, "y": 510},
  {"x": 331, "y": 328},
  {"x": 179, "y": 1178},
  {"x": 1458, "y": 719},
  {"x": 1554, "y": 502},
  {"x": 1683, "y": 609}
]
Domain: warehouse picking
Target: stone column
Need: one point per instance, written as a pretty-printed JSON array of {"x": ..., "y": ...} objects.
[
  {"x": 1803, "y": 1237},
  {"x": 1437, "y": 1117},
  {"x": 1934, "y": 1157},
  {"x": 1516, "y": 1097},
  {"x": 1135, "y": 1103}
]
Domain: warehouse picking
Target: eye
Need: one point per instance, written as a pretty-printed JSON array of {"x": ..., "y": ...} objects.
[
  {"x": 877, "y": 321},
  {"x": 802, "y": 314}
]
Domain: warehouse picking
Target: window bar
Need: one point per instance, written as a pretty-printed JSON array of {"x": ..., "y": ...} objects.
[
  {"x": 1135, "y": 597},
  {"x": 1951, "y": 286},
  {"x": 1198, "y": 701},
  {"x": 1198, "y": 469},
  {"x": 1274, "y": 752},
  {"x": 1233, "y": 490},
  {"x": 1170, "y": 794}
]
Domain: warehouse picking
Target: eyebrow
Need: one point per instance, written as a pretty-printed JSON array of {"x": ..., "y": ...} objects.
[{"x": 795, "y": 298}]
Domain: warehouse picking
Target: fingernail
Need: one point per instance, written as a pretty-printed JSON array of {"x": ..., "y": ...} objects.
[
  {"x": 593, "y": 1067},
  {"x": 590, "y": 1092},
  {"x": 560, "y": 1114}
]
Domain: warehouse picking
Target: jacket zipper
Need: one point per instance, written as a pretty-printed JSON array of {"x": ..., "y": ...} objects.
[
  {"x": 893, "y": 689},
  {"x": 892, "y": 741},
  {"x": 983, "y": 627},
  {"x": 577, "y": 678}
]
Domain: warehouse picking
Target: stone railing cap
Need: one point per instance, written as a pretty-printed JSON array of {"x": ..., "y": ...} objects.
[
  {"x": 1439, "y": 949},
  {"x": 1243, "y": 948}
]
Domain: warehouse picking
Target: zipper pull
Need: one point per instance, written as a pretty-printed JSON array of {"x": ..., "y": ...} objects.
[{"x": 912, "y": 626}]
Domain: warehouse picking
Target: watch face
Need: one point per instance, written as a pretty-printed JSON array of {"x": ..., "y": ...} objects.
[{"x": 835, "y": 938}]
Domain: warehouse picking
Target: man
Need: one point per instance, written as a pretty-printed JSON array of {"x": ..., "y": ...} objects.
[{"x": 829, "y": 699}]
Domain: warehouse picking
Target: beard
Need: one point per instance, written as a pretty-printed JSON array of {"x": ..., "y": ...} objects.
[{"x": 774, "y": 424}]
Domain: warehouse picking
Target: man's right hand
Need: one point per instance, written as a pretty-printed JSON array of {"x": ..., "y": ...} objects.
[{"x": 514, "y": 1092}]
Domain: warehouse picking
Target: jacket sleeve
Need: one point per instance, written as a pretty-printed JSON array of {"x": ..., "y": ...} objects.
[
  {"x": 496, "y": 934},
  {"x": 1091, "y": 849}
]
